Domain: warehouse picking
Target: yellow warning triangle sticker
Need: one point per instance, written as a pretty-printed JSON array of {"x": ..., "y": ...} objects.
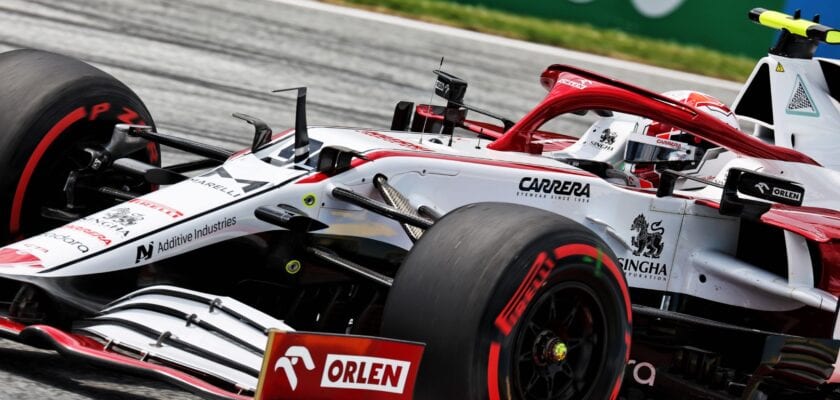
[{"x": 780, "y": 68}]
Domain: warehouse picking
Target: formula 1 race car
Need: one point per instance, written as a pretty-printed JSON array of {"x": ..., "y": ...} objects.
[{"x": 327, "y": 263}]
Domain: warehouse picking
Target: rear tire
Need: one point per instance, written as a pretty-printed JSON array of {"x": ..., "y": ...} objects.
[
  {"x": 51, "y": 107},
  {"x": 513, "y": 303}
]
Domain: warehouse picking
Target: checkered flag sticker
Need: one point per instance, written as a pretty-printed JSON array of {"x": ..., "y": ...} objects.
[{"x": 800, "y": 102}]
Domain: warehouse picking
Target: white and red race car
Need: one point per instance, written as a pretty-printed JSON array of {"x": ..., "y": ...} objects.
[{"x": 335, "y": 263}]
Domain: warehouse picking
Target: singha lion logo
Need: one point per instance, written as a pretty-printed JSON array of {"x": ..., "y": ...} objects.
[
  {"x": 648, "y": 243},
  {"x": 608, "y": 136}
]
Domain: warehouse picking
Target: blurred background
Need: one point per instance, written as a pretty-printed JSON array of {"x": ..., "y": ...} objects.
[
  {"x": 711, "y": 37},
  {"x": 715, "y": 24}
]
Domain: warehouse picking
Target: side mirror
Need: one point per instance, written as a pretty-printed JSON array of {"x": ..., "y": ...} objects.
[
  {"x": 262, "y": 133},
  {"x": 761, "y": 186},
  {"x": 766, "y": 187},
  {"x": 335, "y": 159}
]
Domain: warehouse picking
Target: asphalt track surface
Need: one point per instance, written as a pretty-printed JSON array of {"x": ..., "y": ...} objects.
[{"x": 195, "y": 62}]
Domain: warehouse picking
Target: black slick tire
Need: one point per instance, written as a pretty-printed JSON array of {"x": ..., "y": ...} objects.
[
  {"x": 49, "y": 106},
  {"x": 509, "y": 300}
]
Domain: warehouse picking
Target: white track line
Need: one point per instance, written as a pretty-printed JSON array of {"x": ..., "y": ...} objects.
[{"x": 516, "y": 44}]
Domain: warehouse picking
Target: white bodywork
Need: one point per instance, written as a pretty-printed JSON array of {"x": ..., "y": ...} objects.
[
  {"x": 682, "y": 234},
  {"x": 805, "y": 116},
  {"x": 678, "y": 244}
]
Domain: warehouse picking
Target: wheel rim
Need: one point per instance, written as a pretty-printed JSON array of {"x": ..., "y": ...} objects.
[{"x": 562, "y": 344}]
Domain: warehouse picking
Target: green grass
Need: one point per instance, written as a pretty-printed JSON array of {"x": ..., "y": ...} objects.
[{"x": 581, "y": 37}]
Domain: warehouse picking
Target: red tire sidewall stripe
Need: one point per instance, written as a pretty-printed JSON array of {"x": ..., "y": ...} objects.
[
  {"x": 599, "y": 257},
  {"x": 560, "y": 253},
  {"x": 504, "y": 324},
  {"x": 493, "y": 371},
  {"x": 54, "y": 133}
]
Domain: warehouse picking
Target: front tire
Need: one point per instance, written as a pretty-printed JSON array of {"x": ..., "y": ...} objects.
[
  {"x": 513, "y": 303},
  {"x": 51, "y": 108}
]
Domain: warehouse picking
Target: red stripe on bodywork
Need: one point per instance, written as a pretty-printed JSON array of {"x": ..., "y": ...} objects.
[
  {"x": 10, "y": 327},
  {"x": 708, "y": 203},
  {"x": 87, "y": 348},
  {"x": 320, "y": 176},
  {"x": 34, "y": 159},
  {"x": 573, "y": 89},
  {"x": 494, "y": 131},
  {"x": 830, "y": 277},
  {"x": 376, "y": 155},
  {"x": 247, "y": 150},
  {"x": 817, "y": 224}
]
